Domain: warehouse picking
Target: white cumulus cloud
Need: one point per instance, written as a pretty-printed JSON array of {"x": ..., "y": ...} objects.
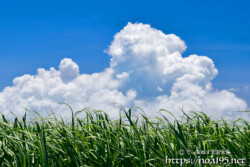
[
  {"x": 69, "y": 70},
  {"x": 146, "y": 70}
]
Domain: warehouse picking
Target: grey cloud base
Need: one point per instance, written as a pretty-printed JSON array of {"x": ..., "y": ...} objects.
[{"x": 146, "y": 70}]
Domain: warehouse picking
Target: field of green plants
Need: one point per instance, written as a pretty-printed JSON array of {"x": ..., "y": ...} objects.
[{"x": 94, "y": 139}]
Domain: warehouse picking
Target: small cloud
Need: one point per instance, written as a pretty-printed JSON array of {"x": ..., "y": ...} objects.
[
  {"x": 234, "y": 89},
  {"x": 159, "y": 89},
  {"x": 69, "y": 70}
]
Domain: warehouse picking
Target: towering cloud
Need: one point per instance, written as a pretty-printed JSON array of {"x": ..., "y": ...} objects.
[{"x": 146, "y": 70}]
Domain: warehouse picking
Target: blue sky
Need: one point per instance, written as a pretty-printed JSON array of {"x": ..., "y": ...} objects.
[{"x": 41, "y": 34}]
